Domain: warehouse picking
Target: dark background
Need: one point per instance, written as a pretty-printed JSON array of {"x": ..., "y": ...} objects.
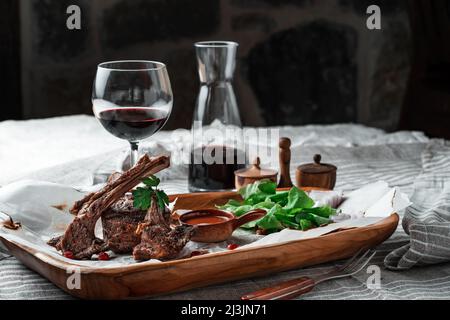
[{"x": 299, "y": 61}]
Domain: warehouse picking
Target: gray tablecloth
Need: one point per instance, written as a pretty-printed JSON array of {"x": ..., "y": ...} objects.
[
  {"x": 396, "y": 161},
  {"x": 427, "y": 220}
]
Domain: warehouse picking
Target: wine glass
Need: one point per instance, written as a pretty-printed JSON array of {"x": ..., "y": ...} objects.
[{"x": 132, "y": 99}]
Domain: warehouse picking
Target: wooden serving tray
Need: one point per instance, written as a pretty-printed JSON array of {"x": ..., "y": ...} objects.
[{"x": 151, "y": 279}]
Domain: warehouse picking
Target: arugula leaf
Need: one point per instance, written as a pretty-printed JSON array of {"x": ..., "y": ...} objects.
[
  {"x": 270, "y": 221},
  {"x": 268, "y": 187},
  {"x": 249, "y": 190},
  {"x": 325, "y": 211},
  {"x": 321, "y": 221},
  {"x": 239, "y": 211},
  {"x": 292, "y": 209},
  {"x": 292, "y": 225},
  {"x": 280, "y": 197},
  {"x": 305, "y": 224},
  {"x": 261, "y": 188},
  {"x": 255, "y": 198},
  {"x": 235, "y": 207},
  {"x": 315, "y": 219},
  {"x": 284, "y": 218},
  {"x": 251, "y": 224},
  {"x": 267, "y": 205},
  {"x": 298, "y": 199},
  {"x": 264, "y": 205},
  {"x": 230, "y": 205}
]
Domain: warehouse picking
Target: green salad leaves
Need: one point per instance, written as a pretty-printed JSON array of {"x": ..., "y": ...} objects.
[{"x": 285, "y": 209}]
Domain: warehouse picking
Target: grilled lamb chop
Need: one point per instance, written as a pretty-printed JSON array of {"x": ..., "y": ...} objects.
[
  {"x": 79, "y": 238},
  {"x": 120, "y": 222},
  {"x": 158, "y": 239}
]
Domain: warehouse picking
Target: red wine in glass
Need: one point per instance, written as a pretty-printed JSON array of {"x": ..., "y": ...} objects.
[{"x": 133, "y": 123}]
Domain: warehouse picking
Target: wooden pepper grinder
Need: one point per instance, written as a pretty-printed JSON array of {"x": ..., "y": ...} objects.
[{"x": 285, "y": 162}]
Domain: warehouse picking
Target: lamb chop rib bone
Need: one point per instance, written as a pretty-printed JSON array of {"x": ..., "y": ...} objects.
[{"x": 79, "y": 238}]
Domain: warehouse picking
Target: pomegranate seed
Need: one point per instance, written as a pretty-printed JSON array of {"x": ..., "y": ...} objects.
[
  {"x": 196, "y": 253},
  {"x": 232, "y": 246},
  {"x": 103, "y": 256},
  {"x": 68, "y": 254}
]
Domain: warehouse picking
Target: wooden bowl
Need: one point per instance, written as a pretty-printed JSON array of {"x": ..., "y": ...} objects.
[
  {"x": 317, "y": 175},
  {"x": 255, "y": 173},
  {"x": 221, "y": 229}
]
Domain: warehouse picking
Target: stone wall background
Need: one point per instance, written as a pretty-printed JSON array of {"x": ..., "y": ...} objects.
[{"x": 299, "y": 61}]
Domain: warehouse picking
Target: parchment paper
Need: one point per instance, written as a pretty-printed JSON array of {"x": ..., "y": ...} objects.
[{"x": 43, "y": 210}]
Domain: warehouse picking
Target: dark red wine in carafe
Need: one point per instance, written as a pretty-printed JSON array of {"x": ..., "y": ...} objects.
[
  {"x": 132, "y": 124},
  {"x": 207, "y": 176}
]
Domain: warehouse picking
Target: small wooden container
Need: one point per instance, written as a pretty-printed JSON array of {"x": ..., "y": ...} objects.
[
  {"x": 250, "y": 175},
  {"x": 317, "y": 174},
  {"x": 218, "y": 231}
]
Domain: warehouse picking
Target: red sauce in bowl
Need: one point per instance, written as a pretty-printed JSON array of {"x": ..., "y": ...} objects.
[{"x": 202, "y": 220}]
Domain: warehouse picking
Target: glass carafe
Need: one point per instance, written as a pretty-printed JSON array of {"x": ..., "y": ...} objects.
[{"x": 217, "y": 144}]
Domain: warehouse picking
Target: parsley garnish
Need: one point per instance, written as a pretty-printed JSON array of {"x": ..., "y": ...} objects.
[{"x": 143, "y": 195}]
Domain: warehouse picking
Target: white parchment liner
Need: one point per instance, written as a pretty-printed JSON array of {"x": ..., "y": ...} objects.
[{"x": 43, "y": 210}]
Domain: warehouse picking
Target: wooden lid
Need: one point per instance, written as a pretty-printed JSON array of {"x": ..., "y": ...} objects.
[
  {"x": 255, "y": 171},
  {"x": 317, "y": 167}
]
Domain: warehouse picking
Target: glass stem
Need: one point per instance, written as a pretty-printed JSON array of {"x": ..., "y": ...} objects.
[{"x": 134, "y": 153}]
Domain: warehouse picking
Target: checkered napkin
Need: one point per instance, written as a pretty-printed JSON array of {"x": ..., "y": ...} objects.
[{"x": 427, "y": 221}]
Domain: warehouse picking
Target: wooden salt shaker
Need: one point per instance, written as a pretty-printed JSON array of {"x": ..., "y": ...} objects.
[
  {"x": 317, "y": 174},
  {"x": 285, "y": 162}
]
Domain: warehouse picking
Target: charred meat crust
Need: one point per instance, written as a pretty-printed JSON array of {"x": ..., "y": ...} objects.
[
  {"x": 79, "y": 237},
  {"x": 120, "y": 223},
  {"x": 158, "y": 239}
]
